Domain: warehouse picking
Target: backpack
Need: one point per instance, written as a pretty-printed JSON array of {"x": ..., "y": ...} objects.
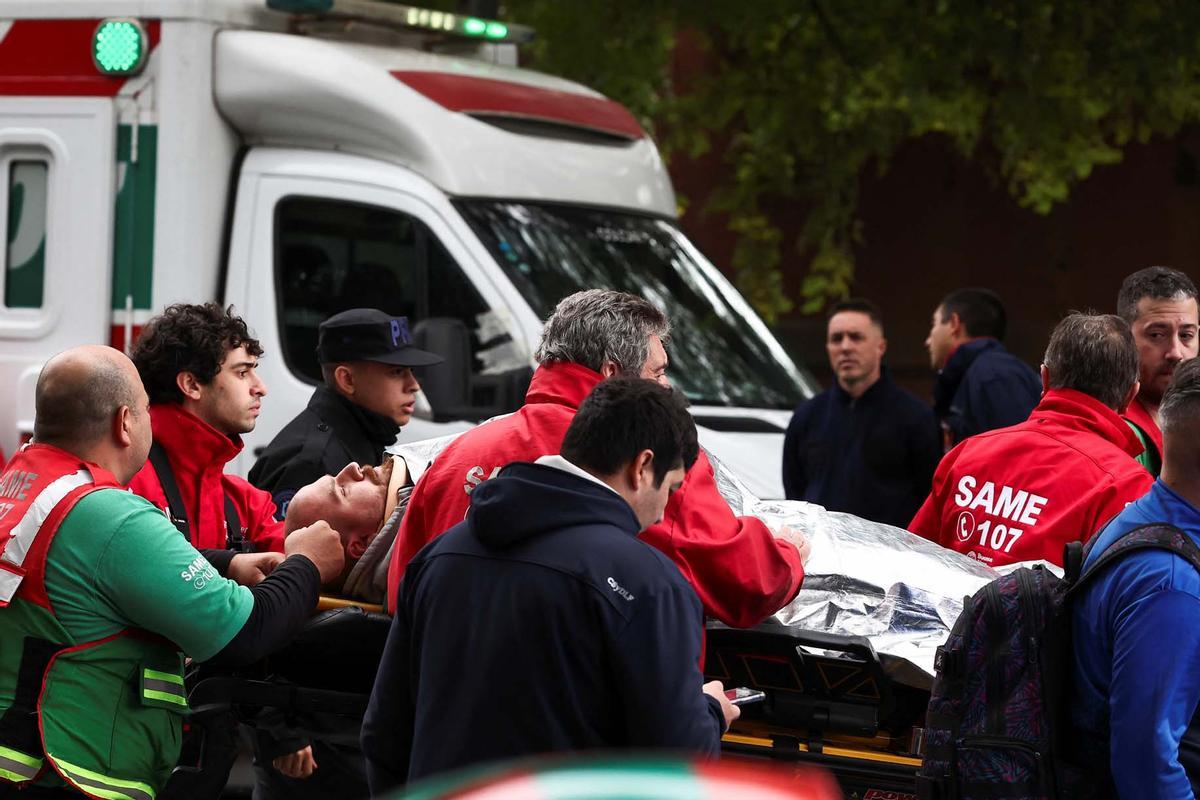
[{"x": 998, "y": 722}]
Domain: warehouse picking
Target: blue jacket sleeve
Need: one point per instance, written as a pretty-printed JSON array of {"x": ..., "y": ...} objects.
[
  {"x": 794, "y": 480},
  {"x": 387, "y": 729},
  {"x": 657, "y": 664},
  {"x": 1153, "y": 694}
]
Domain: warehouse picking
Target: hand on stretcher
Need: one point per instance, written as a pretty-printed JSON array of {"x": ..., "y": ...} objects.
[{"x": 299, "y": 764}]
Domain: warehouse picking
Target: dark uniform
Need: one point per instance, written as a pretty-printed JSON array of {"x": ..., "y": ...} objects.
[
  {"x": 326, "y": 436},
  {"x": 873, "y": 456},
  {"x": 334, "y": 431}
]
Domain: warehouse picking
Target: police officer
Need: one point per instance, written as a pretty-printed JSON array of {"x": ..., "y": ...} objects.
[{"x": 369, "y": 393}]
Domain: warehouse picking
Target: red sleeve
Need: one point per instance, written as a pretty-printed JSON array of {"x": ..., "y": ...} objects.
[
  {"x": 740, "y": 571},
  {"x": 928, "y": 521},
  {"x": 257, "y": 510},
  {"x": 1121, "y": 492}
]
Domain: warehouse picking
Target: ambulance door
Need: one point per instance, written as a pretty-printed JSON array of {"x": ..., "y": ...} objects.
[
  {"x": 305, "y": 247},
  {"x": 57, "y": 173}
]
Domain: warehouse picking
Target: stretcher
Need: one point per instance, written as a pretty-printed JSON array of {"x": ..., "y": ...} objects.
[
  {"x": 318, "y": 685},
  {"x": 828, "y": 702}
]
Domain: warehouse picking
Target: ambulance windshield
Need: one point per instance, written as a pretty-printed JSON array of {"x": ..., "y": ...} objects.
[{"x": 721, "y": 353}]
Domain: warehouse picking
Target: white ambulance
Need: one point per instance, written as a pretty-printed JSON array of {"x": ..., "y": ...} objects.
[{"x": 299, "y": 157}]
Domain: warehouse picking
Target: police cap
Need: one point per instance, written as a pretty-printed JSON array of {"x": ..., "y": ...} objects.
[{"x": 368, "y": 334}]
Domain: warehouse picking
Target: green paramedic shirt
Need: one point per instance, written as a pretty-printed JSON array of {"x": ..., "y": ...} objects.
[
  {"x": 1149, "y": 457},
  {"x": 118, "y": 562}
]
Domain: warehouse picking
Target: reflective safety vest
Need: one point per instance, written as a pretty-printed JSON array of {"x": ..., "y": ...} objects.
[{"x": 105, "y": 715}]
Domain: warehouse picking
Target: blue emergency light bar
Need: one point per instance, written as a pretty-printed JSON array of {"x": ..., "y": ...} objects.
[{"x": 387, "y": 12}]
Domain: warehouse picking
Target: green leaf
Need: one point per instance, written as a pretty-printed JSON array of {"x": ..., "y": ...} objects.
[{"x": 801, "y": 98}]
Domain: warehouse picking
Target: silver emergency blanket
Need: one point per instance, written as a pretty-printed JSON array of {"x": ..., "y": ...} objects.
[
  {"x": 863, "y": 578},
  {"x": 900, "y": 591}
]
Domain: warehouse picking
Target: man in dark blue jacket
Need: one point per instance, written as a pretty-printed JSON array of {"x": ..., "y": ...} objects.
[
  {"x": 542, "y": 623},
  {"x": 1136, "y": 627},
  {"x": 980, "y": 385},
  {"x": 864, "y": 446}
]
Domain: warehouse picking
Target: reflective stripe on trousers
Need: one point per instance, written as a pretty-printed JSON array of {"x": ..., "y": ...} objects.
[
  {"x": 102, "y": 785},
  {"x": 19, "y": 767}
]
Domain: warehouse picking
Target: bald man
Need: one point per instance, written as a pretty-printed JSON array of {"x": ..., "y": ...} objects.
[{"x": 106, "y": 596}]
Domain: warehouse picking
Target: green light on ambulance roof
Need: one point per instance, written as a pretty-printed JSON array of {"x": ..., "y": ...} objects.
[
  {"x": 119, "y": 46},
  {"x": 392, "y": 12}
]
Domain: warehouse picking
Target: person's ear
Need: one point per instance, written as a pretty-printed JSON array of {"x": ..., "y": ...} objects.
[
  {"x": 642, "y": 470},
  {"x": 1045, "y": 373},
  {"x": 189, "y": 385},
  {"x": 608, "y": 369},
  {"x": 123, "y": 426},
  {"x": 1129, "y": 396},
  {"x": 882, "y": 347},
  {"x": 343, "y": 379},
  {"x": 356, "y": 547},
  {"x": 956, "y": 325}
]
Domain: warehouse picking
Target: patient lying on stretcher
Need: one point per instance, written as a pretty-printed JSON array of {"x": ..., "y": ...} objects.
[{"x": 364, "y": 505}]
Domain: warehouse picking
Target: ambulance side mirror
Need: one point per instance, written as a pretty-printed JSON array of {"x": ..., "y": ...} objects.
[
  {"x": 446, "y": 385},
  {"x": 453, "y": 390}
]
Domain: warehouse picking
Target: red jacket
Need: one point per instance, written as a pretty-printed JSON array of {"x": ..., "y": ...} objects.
[
  {"x": 198, "y": 454},
  {"x": 740, "y": 571},
  {"x": 1022, "y": 493}
]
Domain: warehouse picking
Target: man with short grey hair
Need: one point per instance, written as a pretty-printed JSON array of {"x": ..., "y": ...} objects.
[
  {"x": 1159, "y": 303},
  {"x": 740, "y": 570},
  {"x": 1023, "y": 492},
  {"x": 608, "y": 332}
]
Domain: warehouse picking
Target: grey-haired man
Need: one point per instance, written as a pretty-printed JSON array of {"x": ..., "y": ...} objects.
[{"x": 740, "y": 571}]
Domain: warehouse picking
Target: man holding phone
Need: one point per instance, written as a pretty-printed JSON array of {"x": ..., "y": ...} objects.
[{"x": 594, "y": 635}]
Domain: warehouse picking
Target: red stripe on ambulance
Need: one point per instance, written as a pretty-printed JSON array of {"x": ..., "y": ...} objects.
[
  {"x": 473, "y": 95},
  {"x": 116, "y": 337},
  {"x": 54, "y": 57}
]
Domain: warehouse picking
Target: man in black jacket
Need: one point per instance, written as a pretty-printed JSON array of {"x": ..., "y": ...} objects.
[
  {"x": 864, "y": 446},
  {"x": 369, "y": 393},
  {"x": 545, "y": 590},
  {"x": 980, "y": 386}
]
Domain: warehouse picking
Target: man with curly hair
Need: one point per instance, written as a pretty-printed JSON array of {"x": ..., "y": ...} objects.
[{"x": 198, "y": 365}]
